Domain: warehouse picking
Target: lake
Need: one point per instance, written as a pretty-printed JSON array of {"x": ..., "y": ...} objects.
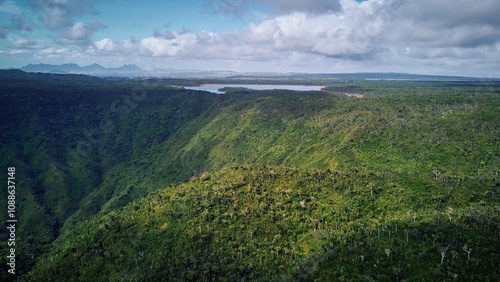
[{"x": 214, "y": 88}]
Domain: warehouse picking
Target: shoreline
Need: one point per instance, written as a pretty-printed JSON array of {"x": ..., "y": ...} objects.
[{"x": 213, "y": 84}]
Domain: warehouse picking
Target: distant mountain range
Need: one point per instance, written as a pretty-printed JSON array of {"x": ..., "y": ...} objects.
[
  {"x": 124, "y": 71},
  {"x": 135, "y": 71},
  {"x": 76, "y": 69}
]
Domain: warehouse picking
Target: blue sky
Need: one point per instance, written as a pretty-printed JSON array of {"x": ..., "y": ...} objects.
[
  {"x": 141, "y": 18},
  {"x": 455, "y": 37}
]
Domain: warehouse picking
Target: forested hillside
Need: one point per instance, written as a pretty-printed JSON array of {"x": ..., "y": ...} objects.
[
  {"x": 402, "y": 183},
  {"x": 275, "y": 223}
]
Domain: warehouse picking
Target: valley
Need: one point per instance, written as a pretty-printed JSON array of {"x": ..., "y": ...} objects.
[{"x": 137, "y": 180}]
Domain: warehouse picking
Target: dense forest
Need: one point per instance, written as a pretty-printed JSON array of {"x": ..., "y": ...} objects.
[{"x": 138, "y": 180}]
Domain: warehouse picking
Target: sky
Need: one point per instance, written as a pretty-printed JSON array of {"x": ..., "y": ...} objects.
[{"x": 446, "y": 37}]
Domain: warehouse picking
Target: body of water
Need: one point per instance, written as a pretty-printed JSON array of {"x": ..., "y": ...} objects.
[{"x": 214, "y": 88}]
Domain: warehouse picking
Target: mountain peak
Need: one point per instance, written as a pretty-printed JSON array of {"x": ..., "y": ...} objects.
[
  {"x": 93, "y": 68},
  {"x": 129, "y": 67}
]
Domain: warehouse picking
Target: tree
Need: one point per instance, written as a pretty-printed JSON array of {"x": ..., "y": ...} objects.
[
  {"x": 467, "y": 250},
  {"x": 437, "y": 173},
  {"x": 443, "y": 253}
]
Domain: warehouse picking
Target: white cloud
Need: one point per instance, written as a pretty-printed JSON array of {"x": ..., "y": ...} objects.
[
  {"x": 327, "y": 36},
  {"x": 108, "y": 47},
  {"x": 80, "y": 33},
  {"x": 105, "y": 44},
  {"x": 59, "y": 14},
  {"x": 28, "y": 44},
  {"x": 160, "y": 47},
  {"x": 373, "y": 29}
]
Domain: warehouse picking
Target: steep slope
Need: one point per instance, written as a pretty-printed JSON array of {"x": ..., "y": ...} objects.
[
  {"x": 274, "y": 223},
  {"x": 415, "y": 135},
  {"x": 64, "y": 136},
  {"x": 65, "y": 133}
]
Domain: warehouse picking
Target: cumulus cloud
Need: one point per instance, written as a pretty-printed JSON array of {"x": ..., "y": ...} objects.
[
  {"x": 382, "y": 34},
  {"x": 59, "y": 14},
  {"x": 160, "y": 47},
  {"x": 80, "y": 33},
  {"x": 372, "y": 30},
  {"x": 28, "y": 44},
  {"x": 447, "y": 23},
  {"x": 154, "y": 46},
  {"x": 17, "y": 22},
  {"x": 107, "y": 46},
  {"x": 165, "y": 35},
  {"x": 327, "y": 34},
  {"x": 360, "y": 30}
]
